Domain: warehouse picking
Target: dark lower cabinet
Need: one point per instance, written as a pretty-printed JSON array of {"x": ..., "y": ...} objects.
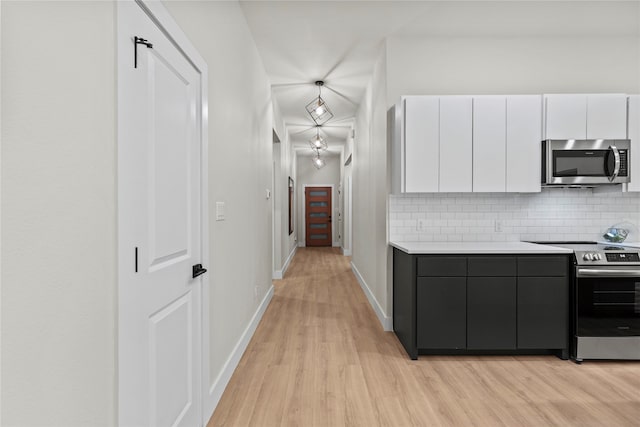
[
  {"x": 491, "y": 313},
  {"x": 470, "y": 304},
  {"x": 441, "y": 307},
  {"x": 542, "y": 312}
]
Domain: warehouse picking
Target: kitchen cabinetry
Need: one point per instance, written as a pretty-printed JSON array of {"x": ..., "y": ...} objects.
[
  {"x": 524, "y": 133},
  {"x": 422, "y": 143},
  {"x": 442, "y": 312},
  {"x": 456, "y": 142},
  {"x": 489, "y": 143},
  {"x": 633, "y": 133},
  {"x": 471, "y": 303},
  {"x": 466, "y": 144},
  {"x": 585, "y": 116},
  {"x": 491, "y": 308},
  {"x": 507, "y": 131},
  {"x": 542, "y": 317}
]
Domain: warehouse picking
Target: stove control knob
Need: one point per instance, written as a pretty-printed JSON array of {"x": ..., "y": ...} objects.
[
  {"x": 588, "y": 257},
  {"x": 598, "y": 257}
]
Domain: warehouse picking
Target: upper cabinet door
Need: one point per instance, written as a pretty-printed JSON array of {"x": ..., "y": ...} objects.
[
  {"x": 566, "y": 116},
  {"x": 607, "y": 116},
  {"x": 456, "y": 144},
  {"x": 489, "y": 143},
  {"x": 524, "y": 148},
  {"x": 421, "y": 136},
  {"x": 634, "y": 136}
]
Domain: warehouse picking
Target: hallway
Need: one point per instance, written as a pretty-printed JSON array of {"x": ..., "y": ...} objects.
[{"x": 320, "y": 357}]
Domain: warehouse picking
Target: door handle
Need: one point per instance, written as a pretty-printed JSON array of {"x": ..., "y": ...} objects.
[
  {"x": 198, "y": 270},
  {"x": 616, "y": 164}
]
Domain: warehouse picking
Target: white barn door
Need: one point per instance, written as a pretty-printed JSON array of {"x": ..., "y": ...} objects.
[{"x": 160, "y": 227}]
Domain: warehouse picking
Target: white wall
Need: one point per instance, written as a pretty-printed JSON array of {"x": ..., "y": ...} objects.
[
  {"x": 308, "y": 175},
  {"x": 553, "y": 214},
  {"x": 285, "y": 162},
  {"x": 58, "y": 214},
  {"x": 240, "y": 169},
  {"x": 512, "y": 65},
  {"x": 371, "y": 253}
]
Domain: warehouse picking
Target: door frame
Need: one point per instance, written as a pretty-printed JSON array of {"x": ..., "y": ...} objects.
[
  {"x": 161, "y": 17},
  {"x": 304, "y": 202}
]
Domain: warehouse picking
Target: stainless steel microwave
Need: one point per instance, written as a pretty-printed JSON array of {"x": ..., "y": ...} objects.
[{"x": 585, "y": 162}]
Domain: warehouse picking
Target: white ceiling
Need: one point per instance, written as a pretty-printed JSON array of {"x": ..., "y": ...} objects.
[{"x": 339, "y": 41}]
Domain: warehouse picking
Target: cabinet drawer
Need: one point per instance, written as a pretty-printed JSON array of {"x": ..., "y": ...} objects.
[
  {"x": 442, "y": 266},
  {"x": 543, "y": 266},
  {"x": 492, "y": 266}
]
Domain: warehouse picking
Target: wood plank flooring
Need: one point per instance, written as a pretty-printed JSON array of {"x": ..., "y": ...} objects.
[{"x": 320, "y": 358}]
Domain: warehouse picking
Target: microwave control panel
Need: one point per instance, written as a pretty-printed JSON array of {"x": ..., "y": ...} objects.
[{"x": 624, "y": 161}]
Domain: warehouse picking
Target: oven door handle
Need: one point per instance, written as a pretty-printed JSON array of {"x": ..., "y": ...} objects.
[
  {"x": 616, "y": 162},
  {"x": 608, "y": 272}
]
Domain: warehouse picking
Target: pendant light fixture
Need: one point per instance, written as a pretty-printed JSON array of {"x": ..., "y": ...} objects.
[
  {"x": 318, "y": 162},
  {"x": 318, "y": 109},
  {"x": 318, "y": 142}
]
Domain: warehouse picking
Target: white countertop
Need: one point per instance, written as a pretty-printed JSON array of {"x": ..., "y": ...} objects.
[
  {"x": 477, "y": 248},
  {"x": 625, "y": 244}
]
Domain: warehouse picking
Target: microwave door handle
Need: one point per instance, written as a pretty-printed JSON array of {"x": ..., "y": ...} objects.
[{"x": 616, "y": 167}]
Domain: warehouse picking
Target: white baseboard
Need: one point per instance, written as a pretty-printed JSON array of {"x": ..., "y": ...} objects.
[
  {"x": 387, "y": 322},
  {"x": 346, "y": 252},
  {"x": 279, "y": 274},
  {"x": 216, "y": 390}
]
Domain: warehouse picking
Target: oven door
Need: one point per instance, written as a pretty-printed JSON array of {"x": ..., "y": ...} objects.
[{"x": 608, "y": 301}]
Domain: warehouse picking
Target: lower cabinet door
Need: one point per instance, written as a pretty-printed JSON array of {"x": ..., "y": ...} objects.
[
  {"x": 491, "y": 313},
  {"x": 543, "y": 312},
  {"x": 441, "y": 312}
]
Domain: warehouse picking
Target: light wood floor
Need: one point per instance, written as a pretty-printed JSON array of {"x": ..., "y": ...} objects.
[{"x": 320, "y": 358}]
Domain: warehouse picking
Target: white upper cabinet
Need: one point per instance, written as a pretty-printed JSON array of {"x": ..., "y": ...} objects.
[
  {"x": 607, "y": 116},
  {"x": 421, "y": 136},
  {"x": 634, "y": 136},
  {"x": 489, "y": 143},
  {"x": 524, "y": 148},
  {"x": 582, "y": 116},
  {"x": 566, "y": 116},
  {"x": 456, "y": 144},
  {"x": 492, "y": 143}
]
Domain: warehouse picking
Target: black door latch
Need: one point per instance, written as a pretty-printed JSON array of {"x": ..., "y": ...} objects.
[
  {"x": 136, "y": 41},
  {"x": 198, "y": 270}
]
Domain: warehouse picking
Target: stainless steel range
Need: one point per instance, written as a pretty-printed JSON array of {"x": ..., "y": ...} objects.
[{"x": 606, "y": 294}]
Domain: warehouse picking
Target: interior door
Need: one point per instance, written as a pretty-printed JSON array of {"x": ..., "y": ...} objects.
[
  {"x": 159, "y": 204},
  {"x": 318, "y": 216}
]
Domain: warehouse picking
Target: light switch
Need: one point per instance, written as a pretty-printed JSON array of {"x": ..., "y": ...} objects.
[{"x": 219, "y": 211}]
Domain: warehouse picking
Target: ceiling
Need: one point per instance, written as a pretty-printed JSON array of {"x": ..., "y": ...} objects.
[{"x": 339, "y": 42}]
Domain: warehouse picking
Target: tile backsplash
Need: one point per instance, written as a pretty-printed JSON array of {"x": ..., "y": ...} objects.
[{"x": 553, "y": 214}]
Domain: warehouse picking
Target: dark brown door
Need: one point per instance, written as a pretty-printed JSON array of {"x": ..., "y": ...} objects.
[{"x": 317, "y": 205}]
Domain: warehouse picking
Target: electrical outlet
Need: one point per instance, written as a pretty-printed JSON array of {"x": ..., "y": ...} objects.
[
  {"x": 497, "y": 226},
  {"x": 422, "y": 224}
]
